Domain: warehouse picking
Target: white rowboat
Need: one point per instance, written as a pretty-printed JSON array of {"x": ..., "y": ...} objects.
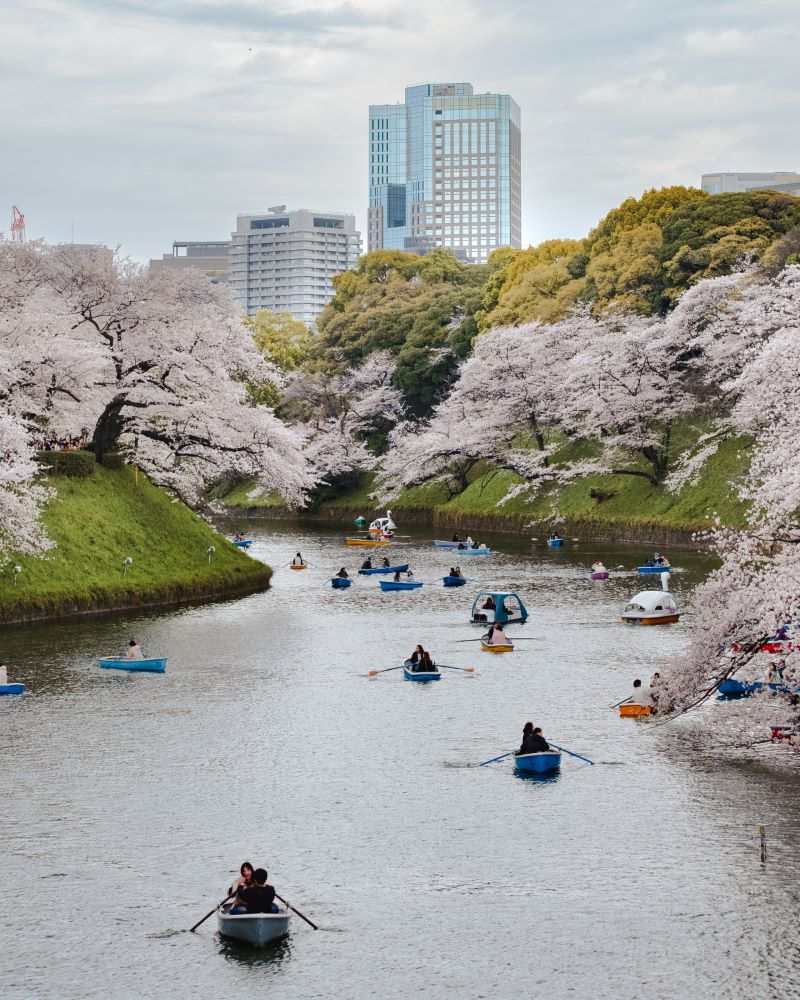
[{"x": 253, "y": 928}]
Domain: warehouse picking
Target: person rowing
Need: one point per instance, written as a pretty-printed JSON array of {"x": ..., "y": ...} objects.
[
  {"x": 298, "y": 560},
  {"x": 455, "y": 537},
  {"x": 386, "y": 563},
  {"x": 367, "y": 564},
  {"x": 532, "y": 741},
  {"x": 256, "y": 898},
  {"x": 418, "y": 653},
  {"x": 641, "y": 695},
  {"x": 425, "y": 665},
  {"x": 496, "y": 636},
  {"x": 342, "y": 574},
  {"x": 134, "y": 651}
]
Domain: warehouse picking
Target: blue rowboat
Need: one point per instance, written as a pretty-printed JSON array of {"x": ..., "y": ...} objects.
[
  {"x": 653, "y": 569},
  {"x": 399, "y": 585},
  {"x": 419, "y": 675},
  {"x": 538, "y": 763},
  {"x": 554, "y": 543},
  {"x": 440, "y": 543},
  {"x": 245, "y": 543},
  {"x": 154, "y": 666},
  {"x": 731, "y": 688},
  {"x": 475, "y": 552},
  {"x": 384, "y": 569},
  {"x": 454, "y": 581},
  {"x": 11, "y": 688},
  {"x": 340, "y": 583},
  {"x": 253, "y": 928}
]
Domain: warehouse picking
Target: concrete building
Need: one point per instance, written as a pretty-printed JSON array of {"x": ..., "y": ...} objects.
[
  {"x": 445, "y": 170},
  {"x": 728, "y": 183},
  {"x": 208, "y": 256},
  {"x": 284, "y": 261}
]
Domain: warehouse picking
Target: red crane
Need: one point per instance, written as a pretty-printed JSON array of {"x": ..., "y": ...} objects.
[{"x": 17, "y": 225}]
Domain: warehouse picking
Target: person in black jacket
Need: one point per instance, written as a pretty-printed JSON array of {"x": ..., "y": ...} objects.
[
  {"x": 532, "y": 741},
  {"x": 258, "y": 898}
]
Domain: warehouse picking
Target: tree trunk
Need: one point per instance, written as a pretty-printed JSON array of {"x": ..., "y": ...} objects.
[{"x": 108, "y": 428}]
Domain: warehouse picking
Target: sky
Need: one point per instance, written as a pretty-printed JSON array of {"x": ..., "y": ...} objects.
[{"x": 139, "y": 122}]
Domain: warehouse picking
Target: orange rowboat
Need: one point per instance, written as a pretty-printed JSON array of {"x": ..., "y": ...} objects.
[{"x": 367, "y": 541}]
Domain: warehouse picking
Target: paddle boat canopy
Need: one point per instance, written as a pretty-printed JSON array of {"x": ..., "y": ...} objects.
[
  {"x": 538, "y": 763},
  {"x": 411, "y": 672},
  {"x": 360, "y": 521},
  {"x": 153, "y": 666},
  {"x": 384, "y": 569},
  {"x": 12, "y": 689},
  {"x": 400, "y": 584},
  {"x": 651, "y": 607},
  {"x": 498, "y": 606},
  {"x": 253, "y": 928}
]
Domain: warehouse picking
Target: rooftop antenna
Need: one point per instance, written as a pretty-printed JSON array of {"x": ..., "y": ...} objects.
[{"x": 17, "y": 225}]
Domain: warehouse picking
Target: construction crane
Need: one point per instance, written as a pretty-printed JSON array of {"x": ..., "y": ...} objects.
[{"x": 17, "y": 225}]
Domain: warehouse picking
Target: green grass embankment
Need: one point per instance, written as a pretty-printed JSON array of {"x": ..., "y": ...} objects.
[
  {"x": 608, "y": 505},
  {"x": 100, "y": 520}
]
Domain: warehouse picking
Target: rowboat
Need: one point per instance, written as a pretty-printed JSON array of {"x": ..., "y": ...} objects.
[
  {"x": 419, "y": 675},
  {"x": 454, "y": 581},
  {"x": 651, "y": 607},
  {"x": 399, "y": 585},
  {"x": 244, "y": 543},
  {"x": 153, "y": 666},
  {"x": 253, "y": 928},
  {"x": 300, "y": 566},
  {"x": 440, "y": 543},
  {"x": 538, "y": 763},
  {"x": 494, "y": 647},
  {"x": 653, "y": 569},
  {"x": 554, "y": 543},
  {"x": 599, "y": 576},
  {"x": 12, "y": 689},
  {"x": 340, "y": 583},
  {"x": 384, "y": 569},
  {"x": 634, "y": 711},
  {"x": 504, "y": 607},
  {"x": 475, "y": 552},
  {"x": 731, "y": 688},
  {"x": 367, "y": 541}
]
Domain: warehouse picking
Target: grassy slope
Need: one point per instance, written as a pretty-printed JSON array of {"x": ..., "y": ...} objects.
[{"x": 99, "y": 521}]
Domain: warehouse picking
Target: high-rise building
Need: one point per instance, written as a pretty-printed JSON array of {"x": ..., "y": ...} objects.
[
  {"x": 444, "y": 170},
  {"x": 727, "y": 183},
  {"x": 208, "y": 256},
  {"x": 284, "y": 261}
]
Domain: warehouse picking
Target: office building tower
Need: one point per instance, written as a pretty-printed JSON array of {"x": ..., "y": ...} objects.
[
  {"x": 284, "y": 261},
  {"x": 208, "y": 256},
  {"x": 728, "y": 183},
  {"x": 444, "y": 170}
]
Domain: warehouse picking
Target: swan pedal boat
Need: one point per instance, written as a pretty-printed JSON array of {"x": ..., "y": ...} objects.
[
  {"x": 412, "y": 675},
  {"x": 399, "y": 585},
  {"x": 454, "y": 581},
  {"x": 555, "y": 543},
  {"x": 651, "y": 607},
  {"x": 157, "y": 665},
  {"x": 243, "y": 543},
  {"x": 383, "y": 569},
  {"x": 340, "y": 582},
  {"x": 634, "y": 711},
  {"x": 12, "y": 689},
  {"x": 493, "y": 647},
  {"x": 253, "y": 928},
  {"x": 538, "y": 763}
]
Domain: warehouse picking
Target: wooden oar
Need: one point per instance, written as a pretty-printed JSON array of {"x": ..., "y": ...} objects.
[
  {"x": 501, "y": 757},
  {"x": 374, "y": 673},
  {"x": 444, "y": 666},
  {"x": 572, "y": 753},
  {"x": 516, "y": 638},
  {"x": 210, "y": 912},
  {"x": 624, "y": 701},
  {"x": 299, "y": 914}
]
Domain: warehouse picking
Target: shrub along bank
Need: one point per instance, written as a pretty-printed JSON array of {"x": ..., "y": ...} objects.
[{"x": 100, "y": 519}]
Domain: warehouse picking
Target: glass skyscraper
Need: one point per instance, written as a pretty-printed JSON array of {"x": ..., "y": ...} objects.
[{"x": 444, "y": 170}]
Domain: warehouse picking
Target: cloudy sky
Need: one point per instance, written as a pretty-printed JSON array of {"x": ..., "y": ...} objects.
[{"x": 137, "y": 122}]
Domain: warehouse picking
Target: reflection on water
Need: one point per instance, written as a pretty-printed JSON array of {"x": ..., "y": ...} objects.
[{"x": 265, "y": 740}]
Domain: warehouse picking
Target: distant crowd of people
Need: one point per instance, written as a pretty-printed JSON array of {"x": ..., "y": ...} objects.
[{"x": 65, "y": 442}]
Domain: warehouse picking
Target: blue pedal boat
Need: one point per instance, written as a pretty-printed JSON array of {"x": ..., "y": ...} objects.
[
  {"x": 555, "y": 543},
  {"x": 399, "y": 585},
  {"x": 419, "y": 675},
  {"x": 12, "y": 689},
  {"x": 538, "y": 763},
  {"x": 504, "y": 607},
  {"x": 384, "y": 569},
  {"x": 454, "y": 581},
  {"x": 154, "y": 666},
  {"x": 245, "y": 543},
  {"x": 340, "y": 582}
]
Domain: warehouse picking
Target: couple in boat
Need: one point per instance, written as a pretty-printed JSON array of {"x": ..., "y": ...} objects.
[
  {"x": 253, "y": 893},
  {"x": 421, "y": 662},
  {"x": 532, "y": 741},
  {"x": 496, "y": 636}
]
